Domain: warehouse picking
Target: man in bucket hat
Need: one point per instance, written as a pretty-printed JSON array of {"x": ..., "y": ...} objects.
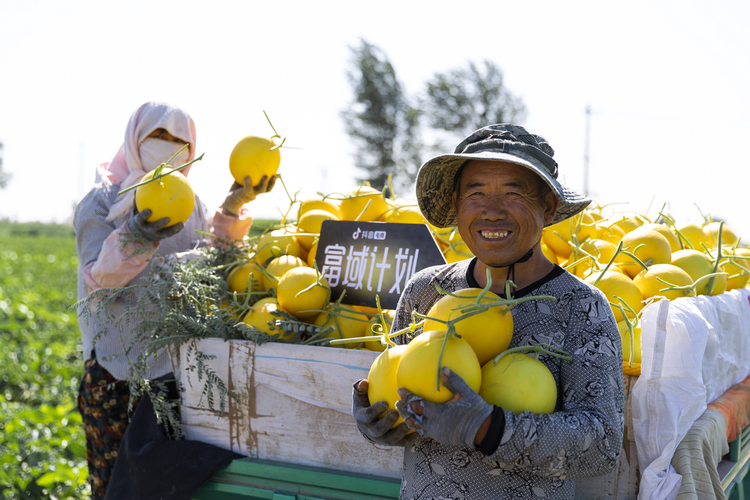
[{"x": 500, "y": 189}]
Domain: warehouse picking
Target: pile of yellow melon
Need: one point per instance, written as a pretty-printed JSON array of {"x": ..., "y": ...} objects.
[
  {"x": 656, "y": 261},
  {"x": 283, "y": 259}
]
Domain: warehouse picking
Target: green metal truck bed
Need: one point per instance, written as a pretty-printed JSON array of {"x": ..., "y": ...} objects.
[
  {"x": 250, "y": 478},
  {"x": 734, "y": 468}
]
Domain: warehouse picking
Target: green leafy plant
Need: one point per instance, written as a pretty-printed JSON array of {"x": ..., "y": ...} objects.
[{"x": 42, "y": 444}]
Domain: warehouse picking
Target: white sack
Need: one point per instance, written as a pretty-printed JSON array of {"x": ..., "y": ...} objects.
[{"x": 694, "y": 349}]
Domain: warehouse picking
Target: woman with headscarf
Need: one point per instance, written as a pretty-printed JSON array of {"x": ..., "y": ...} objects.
[{"x": 115, "y": 245}]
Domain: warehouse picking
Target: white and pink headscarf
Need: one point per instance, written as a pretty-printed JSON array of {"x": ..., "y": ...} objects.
[{"x": 126, "y": 167}]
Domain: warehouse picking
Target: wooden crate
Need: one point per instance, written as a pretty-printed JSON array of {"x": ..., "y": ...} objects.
[
  {"x": 295, "y": 405},
  {"x": 296, "y": 408}
]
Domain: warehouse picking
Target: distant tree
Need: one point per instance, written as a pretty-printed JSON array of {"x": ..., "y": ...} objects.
[
  {"x": 387, "y": 129},
  {"x": 4, "y": 176},
  {"x": 463, "y": 100},
  {"x": 380, "y": 120}
]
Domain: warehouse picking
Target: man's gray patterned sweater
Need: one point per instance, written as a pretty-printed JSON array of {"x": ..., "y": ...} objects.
[{"x": 537, "y": 456}]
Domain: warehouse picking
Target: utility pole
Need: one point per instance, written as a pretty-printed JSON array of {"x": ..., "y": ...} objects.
[
  {"x": 4, "y": 176},
  {"x": 81, "y": 171},
  {"x": 323, "y": 179},
  {"x": 586, "y": 152}
]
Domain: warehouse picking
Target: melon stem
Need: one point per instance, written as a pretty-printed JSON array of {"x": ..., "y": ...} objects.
[
  {"x": 680, "y": 237},
  {"x": 611, "y": 261},
  {"x": 277, "y": 146},
  {"x": 631, "y": 326},
  {"x": 537, "y": 348},
  {"x": 687, "y": 288},
  {"x": 372, "y": 339},
  {"x": 710, "y": 286},
  {"x": 636, "y": 259},
  {"x": 363, "y": 210},
  {"x": 389, "y": 343},
  {"x": 158, "y": 175},
  {"x": 271, "y": 124},
  {"x": 283, "y": 184}
]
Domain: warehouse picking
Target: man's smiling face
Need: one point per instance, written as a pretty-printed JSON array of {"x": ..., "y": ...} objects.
[{"x": 501, "y": 210}]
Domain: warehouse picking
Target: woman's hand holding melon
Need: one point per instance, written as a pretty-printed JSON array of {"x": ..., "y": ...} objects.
[
  {"x": 240, "y": 194},
  {"x": 151, "y": 231}
]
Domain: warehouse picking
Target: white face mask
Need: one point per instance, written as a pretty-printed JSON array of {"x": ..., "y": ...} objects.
[{"x": 154, "y": 152}]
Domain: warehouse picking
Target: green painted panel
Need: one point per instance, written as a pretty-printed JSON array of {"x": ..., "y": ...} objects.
[
  {"x": 738, "y": 446},
  {"x": 249, "y": 478},
  {"x": 224, "y": 491}
]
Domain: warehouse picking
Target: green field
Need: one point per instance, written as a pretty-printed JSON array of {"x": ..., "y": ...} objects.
[{"x": 42, "y": 446}]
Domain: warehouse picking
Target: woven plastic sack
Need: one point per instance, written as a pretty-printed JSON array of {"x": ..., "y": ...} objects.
[{"x": 693, "y": 350}]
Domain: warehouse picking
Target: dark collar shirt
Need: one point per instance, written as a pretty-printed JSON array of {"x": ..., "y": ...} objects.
[{"x": 527, "y": 455}]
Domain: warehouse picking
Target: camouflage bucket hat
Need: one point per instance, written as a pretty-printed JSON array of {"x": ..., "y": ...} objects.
[{"x": 504, "y": 143}]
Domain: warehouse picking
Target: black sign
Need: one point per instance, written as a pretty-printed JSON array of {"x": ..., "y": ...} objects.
[{"x": 373, "y": 258}]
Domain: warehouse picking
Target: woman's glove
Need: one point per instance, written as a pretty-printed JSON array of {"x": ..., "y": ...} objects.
[
  {"x": 378, "y": 430},
  {"x": 151, "y": 231},
  {"x": 239, "y": 195},
  {"x": 453, "y": 423}
]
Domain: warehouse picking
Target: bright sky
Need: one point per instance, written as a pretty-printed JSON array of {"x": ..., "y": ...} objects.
[{"x": 668, "y": 83}]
